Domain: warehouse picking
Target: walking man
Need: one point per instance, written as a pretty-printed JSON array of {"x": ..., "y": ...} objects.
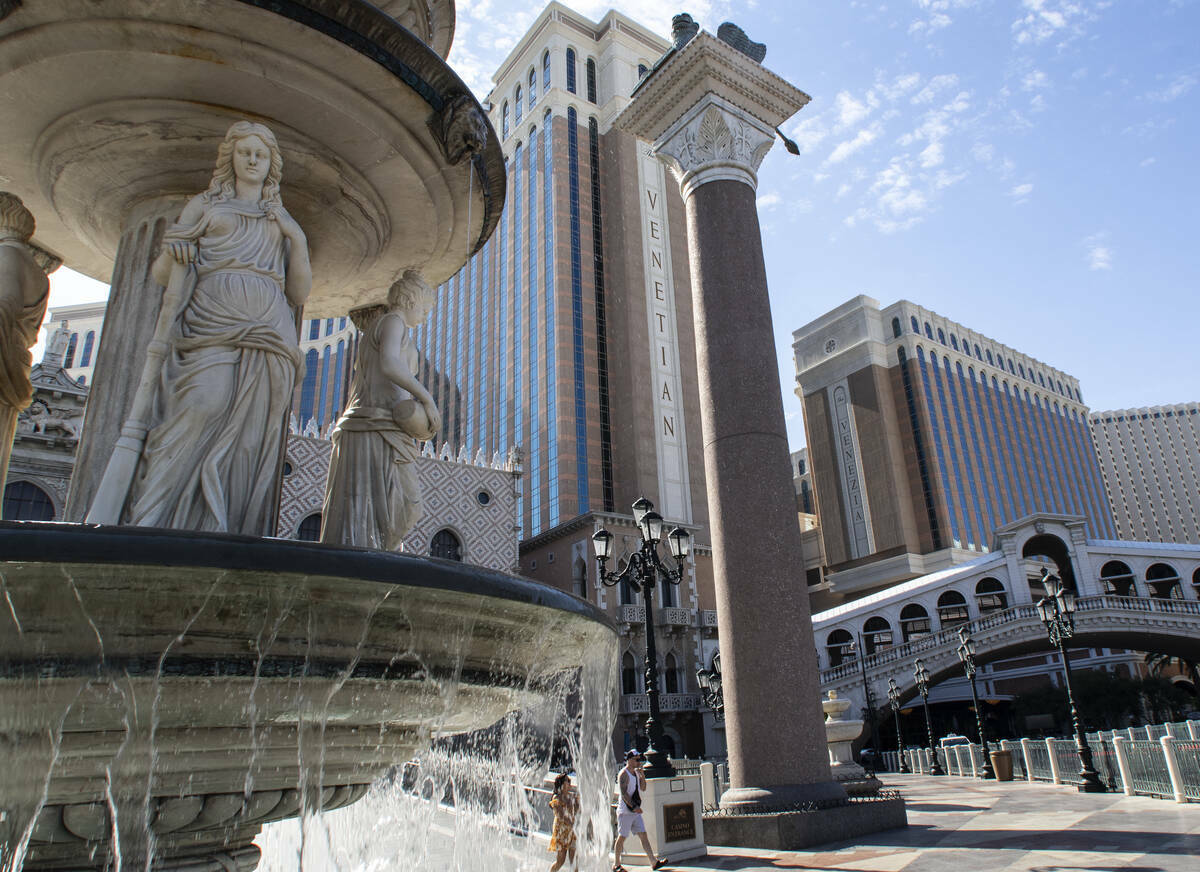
[{"x": 632, "y": 781}]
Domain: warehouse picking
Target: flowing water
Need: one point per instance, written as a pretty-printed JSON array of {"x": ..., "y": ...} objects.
[{"x": 156, "y": 714}]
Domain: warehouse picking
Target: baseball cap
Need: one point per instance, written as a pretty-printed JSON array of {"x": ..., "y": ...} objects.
[{"x": 632, "y": 753}]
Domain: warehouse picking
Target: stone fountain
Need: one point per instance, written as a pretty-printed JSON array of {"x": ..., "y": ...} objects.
[{"x": 163, "y": 693}]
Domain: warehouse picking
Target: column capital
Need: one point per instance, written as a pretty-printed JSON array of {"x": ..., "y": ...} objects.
[
  {"x": 710, "y": 111},
  {"x": 715, "y": 140}
]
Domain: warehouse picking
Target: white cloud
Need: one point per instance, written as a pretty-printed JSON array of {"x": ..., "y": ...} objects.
[
  {"x": 932, "y": 155},
  {"x": 1047, "y": 19},
  {"x": 1099, "y": 254},
  {"x": 1180, "y": 85},
  {"x": 935, "y": 86},
  {"x": 984, "y": 152},
  {"x": 1037, "y": 104},
  {"x": 849, "y": 110},
  {"x": 1020, "y": 193},
  {"x": 1034, "y": 80},
  {"x": 809, "y": 133},
  {"x": 848, "y": 147},
  {"x": 1147, "y": 162},
  {"x": 769, "y": 200}
]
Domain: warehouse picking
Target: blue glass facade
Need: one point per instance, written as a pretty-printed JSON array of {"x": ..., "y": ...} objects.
[{"x": 1003, "y": 451}]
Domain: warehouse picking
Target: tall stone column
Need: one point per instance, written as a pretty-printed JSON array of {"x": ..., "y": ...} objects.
[
  {"x": 710, "y": 110},
  {"x": 133, "y": 303}
]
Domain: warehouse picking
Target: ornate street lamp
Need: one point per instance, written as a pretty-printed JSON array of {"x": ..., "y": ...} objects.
[
  {"x": 922, "y": 676},
  {"x": 641, "y": 573},
  {"x": 870, "y": 709},
  {"x": 894, "y": 701},
  {"x": 710, "y": 687},
  {"x": 1057, "y": 611},
  {"x": 966, "y": 654}
]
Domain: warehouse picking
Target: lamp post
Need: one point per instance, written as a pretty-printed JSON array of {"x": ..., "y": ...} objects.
[
  {"x": 922, "y": 676},
  {"x": 870, "y": 710},
  {"x": 641, "y": 573},
  {"x": 966, "y": 654},
  {"x": 1057, "y": 611},
  {"x": 894, "y": 701},
  {"x": 710, "y": 687}
]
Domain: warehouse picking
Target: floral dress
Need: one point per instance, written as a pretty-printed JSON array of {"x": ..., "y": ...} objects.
[{"x": 565, "y": 807}]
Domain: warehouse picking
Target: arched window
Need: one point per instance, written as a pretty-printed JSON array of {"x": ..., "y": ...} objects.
[
  {"x": 915, "y": 326},
  {"x": 88, "y": 342},
  {"x": 342, "y": 324},
  {"x": 928, "y": 331},
  {"x": 1196, "y": 579},
  {"x": 989, "y": 358},
  {"x": 1163, "y": 581},
  {"x": 571, "y": 70},
  {"x": 1060, "y": 390},
  {"x": 877, "y": 634},
  {"x": 978, "y": 353},
  {"x": 1012, "y": 370},
  {"x": 896, "y": 331},
  {"x": 941, "y": 336},
  {"x": 445, "y": 545},
  {"x": 840, "y": 647},
  {"x": 952, "y": 609},
  {"x": 990, "y": 596},
  {"x": 642, "y": 70},
  {"x": 670, "y": 675},
  {"x": 914, "y": 622},
  {"x": 519, "y": 105},
  {"x": 308, "y": 387},
  {"x": 25, "y": 501},
  {"x": 666, "y": 594},
  {"x": 532, "y": 88},
  {"x": 629, "y": 674},
  {"x": 591, "y": 80},
  {"x": 314, "y": 328},
  {"x": 310, "y": 528},
  {"x": 69, "y": 357},
  {"x": 504, "y": 120},
  {"x": 545, "y": 72},
  {"x": 1021, "y": 370},
  {"x": 806, "y": 503},
  {"x": 1118, "y": 578},
  {"x": 954, "y": 342}
]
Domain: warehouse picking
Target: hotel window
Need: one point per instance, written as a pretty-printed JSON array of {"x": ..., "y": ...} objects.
[
  {"x": 69, "y": 358},
  {"x": 990, "y": 596},
  {"x": 545, "y": 72},
  {"x": 328, "y": 326},
  {"x": 914, "y": 622},
  {"x": 941, "y": 336},
  {"x": 642, "y": 70},
  {"x": 629, "y": 675},
  {"x": 896, "y": 331},
  {"x": 571, "y": 70},
  {"x": 25, "y": 501},
  {"x": 532, "y": 87},
  {"x": 310, "y": 528},
  {"x": 591, "y": 80},
  {"x": 916, "y": 327},
  {"x": 504, "y": 121},
  {"x": 989, "y": 358},
  {"x": 954, "y": 342},
  {"x": 446, "y": 546},
  {"x": 519, "y": 105},
  {"x": 877, "y": 634},
  {"x": 978, "y": 353},
  {"x": 840, "y": 647},
  {"x": 928, "y": 331},
  {"x": 952, "y": 609},
  {"x": 314, "y": 329},
  {"x": 88, "y": 342}
]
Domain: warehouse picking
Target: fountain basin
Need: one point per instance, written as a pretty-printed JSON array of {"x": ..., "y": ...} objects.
[
  {"x": 111, "y": 108},
  {"x": 216, "y": 682}
]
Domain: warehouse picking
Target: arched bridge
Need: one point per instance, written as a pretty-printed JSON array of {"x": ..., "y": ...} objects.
[{"x": 1138, "y": 596}]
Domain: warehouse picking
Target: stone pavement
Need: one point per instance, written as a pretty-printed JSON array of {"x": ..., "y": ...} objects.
[{"x": 964, "y": 825}]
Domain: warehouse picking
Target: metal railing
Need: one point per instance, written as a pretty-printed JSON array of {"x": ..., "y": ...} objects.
[
  {"x": 1037, "y": 759},
  {"x": 948, "y": 638},
  {"x": 1187, "y": 754},
  {"x": 1148, "y": 773}
]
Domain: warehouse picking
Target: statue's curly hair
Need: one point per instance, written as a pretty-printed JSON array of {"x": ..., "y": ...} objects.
[
  {"x": 14, "y": 216},
  {"x": 411, "y": 292},
  {"x": 222, "y": 186}
]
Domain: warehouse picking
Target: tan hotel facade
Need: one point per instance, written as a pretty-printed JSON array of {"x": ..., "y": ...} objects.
[{"x": 570, "y": 335}]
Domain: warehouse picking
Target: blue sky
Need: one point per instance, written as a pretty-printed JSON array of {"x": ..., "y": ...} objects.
[{"x": 1025, "y": 167}]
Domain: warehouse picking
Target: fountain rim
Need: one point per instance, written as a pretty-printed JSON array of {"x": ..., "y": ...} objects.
[{"x": 55, "y": 542}]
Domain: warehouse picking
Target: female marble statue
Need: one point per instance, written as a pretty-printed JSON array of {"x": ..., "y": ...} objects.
[
  {"x": 23, "y": 292},
  {"x": 372, "y": 497},
  {"x": 211, "y": 456}
]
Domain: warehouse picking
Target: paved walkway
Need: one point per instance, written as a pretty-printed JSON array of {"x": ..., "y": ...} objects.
[{"x": 964, "y": 825}]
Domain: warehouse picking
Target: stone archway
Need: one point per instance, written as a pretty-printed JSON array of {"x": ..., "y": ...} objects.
[{"x": 1054, "y": 549}]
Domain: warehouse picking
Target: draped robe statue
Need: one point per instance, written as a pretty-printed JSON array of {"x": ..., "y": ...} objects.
[
  {"x": 372, "y": 496},
  {"x": 211, "y": 455},
  {"x": 23, "y": 293}
]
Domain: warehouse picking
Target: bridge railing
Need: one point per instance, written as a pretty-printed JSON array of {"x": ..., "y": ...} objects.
[{"x": 948, "y": 637}]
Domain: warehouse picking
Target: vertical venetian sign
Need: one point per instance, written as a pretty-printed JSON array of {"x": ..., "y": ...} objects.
[
  {"x": 673, "y": 486},
  {"x": 854, "y": 497}
]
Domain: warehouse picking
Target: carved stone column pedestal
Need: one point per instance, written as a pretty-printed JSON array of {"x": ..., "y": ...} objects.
[
  {"x": 133, "y": 304},
  {"x": 711, "y": 111}
]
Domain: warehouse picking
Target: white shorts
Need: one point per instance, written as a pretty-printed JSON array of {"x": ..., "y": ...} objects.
[{"x": 629, "y": 822}]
